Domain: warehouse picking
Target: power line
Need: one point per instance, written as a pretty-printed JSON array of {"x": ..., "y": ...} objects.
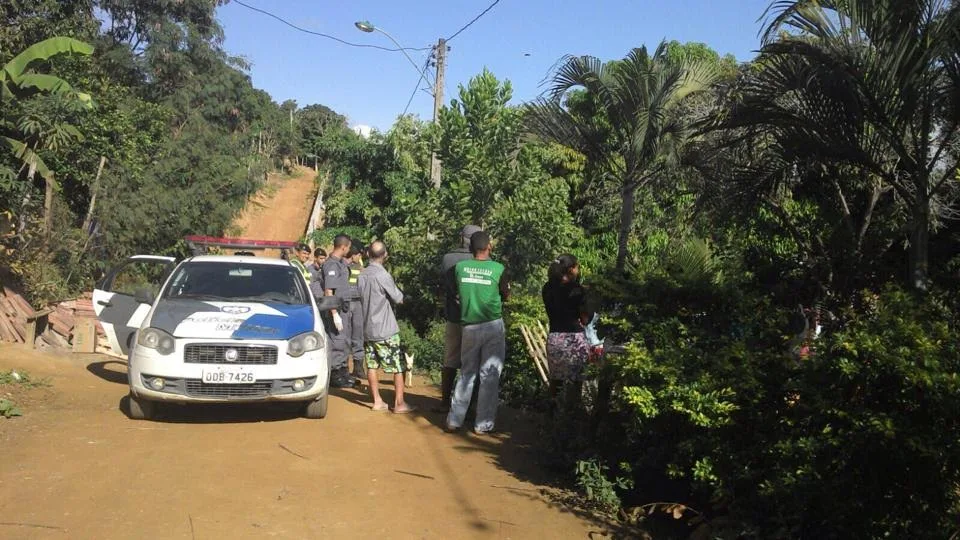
[
  {"x": 328, "y": 36},
  {"x": 475, "y": 19},
  {"x": 416, "y": 88},
  {"x": 409, "y": 101}
]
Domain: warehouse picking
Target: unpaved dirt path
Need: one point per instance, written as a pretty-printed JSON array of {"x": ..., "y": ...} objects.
[
  {"x": 74, "y": 466},
  {"x": 281, "y": 210}
]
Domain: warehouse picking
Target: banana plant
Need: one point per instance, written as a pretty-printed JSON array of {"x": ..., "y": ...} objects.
[{"x": 17, "y": 83}]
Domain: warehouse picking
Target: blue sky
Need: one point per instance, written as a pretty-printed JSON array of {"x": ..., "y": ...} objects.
[{"x": 371, "y": 87}]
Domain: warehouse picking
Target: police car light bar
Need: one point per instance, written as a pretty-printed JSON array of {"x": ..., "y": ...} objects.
[{"x": 199, "y": 244}]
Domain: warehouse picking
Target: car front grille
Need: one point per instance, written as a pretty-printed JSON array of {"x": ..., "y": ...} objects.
[
  {"x": 196, "y": 387},
  {"x": 211, "y": 353}
]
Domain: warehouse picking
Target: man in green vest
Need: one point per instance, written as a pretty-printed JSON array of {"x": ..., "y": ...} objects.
[
  {"x": 482, "y": 287},
  {"x": 451, "y": 312}
]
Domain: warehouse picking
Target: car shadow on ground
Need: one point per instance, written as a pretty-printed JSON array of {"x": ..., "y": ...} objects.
[
  {"x": 220, "y": 413},
  {"x": 106, "y": 370}
]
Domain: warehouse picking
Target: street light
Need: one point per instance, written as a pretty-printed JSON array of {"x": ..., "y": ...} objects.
[{"x": 368, "y": 27}]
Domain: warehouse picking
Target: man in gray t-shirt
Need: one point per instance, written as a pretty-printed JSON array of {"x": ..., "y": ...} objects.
[{"x": 381, "y": 334}]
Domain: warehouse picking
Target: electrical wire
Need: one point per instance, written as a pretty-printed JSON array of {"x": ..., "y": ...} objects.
[
  {"x": 416, "y": 88},
  {"x": 475, "y": 19},
  {"x": 328, "y": 36}
]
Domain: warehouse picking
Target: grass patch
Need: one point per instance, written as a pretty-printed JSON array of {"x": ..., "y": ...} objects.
[
  {"x": 22, "y": 378},
  {"x": 8, "y": 409}
]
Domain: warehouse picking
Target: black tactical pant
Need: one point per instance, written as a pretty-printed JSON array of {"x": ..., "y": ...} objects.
[{"x": 355, "y": 337}]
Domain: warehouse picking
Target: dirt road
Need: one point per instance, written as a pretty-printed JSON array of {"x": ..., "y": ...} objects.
[
  {"x": 74, "y": 466},
  {"x": 281, "y": 210}
]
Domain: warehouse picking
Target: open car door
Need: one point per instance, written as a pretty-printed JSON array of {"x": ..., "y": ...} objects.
[{"x": 124, "y": 297}]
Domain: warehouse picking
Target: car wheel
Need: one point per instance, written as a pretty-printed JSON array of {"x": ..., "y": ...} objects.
[
  {"x": 141, "y": 409},
  {"x": 317, "y": 408}
]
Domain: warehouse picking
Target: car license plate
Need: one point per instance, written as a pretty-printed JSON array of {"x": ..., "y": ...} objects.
[{"x": 228, "y": 376}]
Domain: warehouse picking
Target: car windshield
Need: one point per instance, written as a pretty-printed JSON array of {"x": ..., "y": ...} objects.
[{"x": 237, "y": 282}]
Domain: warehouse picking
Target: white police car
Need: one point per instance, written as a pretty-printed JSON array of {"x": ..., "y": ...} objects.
[{"x": 215, "y": 329}]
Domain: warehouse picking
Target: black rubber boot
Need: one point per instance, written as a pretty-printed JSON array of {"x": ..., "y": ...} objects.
[{"x": 447, "y": 378}]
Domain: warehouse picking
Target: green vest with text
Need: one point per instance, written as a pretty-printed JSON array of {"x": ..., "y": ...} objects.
[{"x": 478, "y": 283}]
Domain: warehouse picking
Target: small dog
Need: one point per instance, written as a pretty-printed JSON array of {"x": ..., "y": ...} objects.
[{"x": 408, "y": 376}]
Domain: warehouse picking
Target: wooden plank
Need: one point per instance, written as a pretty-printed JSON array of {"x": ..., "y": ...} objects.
[
  {"x": 9, "y": 331},
  {"x": 85, "y": 336},
  {"x": 25, "y": 309},
  {"x": 6, "y": 308},
  {"x": 30, "y": 336},
  {"x": 58, "y": 319},
  {"x": 533, "y": 352},
  {"x": 19, "y": 327},
  {"x": 6, "y": 333},
  {"x": 56, "y": 339},
  {"x": 539, "y": 338}
]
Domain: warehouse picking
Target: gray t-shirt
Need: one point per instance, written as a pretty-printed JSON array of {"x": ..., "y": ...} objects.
[
  {"x": 377, "y": 291},
  {"x": 335, "y": 275},
  {"x": 316, "y": 280}
]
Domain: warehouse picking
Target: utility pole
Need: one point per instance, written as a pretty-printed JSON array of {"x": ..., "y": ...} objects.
[{"x": 441, "y": 52}]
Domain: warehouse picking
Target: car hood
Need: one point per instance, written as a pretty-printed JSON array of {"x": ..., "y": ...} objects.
[{"x": 232, "y": 320}]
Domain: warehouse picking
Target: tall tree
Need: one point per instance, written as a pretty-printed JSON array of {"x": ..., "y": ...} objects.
[
  {"x": 869, "y": 86},
  {"x": 638, "y": 134}
]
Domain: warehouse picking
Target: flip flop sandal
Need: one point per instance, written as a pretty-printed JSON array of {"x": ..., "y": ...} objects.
[
  {"x": 380, "y": 409},
  {"x": 407, "y": 409}
]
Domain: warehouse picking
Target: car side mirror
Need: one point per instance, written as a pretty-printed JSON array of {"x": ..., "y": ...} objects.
[
  {"x": 144, "y": 296},
  {"x": 326, "y": 303}
]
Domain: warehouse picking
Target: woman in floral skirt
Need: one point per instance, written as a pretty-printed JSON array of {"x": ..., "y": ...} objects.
[{"x": 566, "y": 304}]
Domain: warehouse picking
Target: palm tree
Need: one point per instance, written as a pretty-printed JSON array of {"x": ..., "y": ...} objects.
[
  {"x": 871, "y": 86},
  {"x": 631, "y": 127},
  {"x": 25, "y": 135}
]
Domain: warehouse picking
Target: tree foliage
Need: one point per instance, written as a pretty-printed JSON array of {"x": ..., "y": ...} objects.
[
  {"x": 185, "y": 136},
  {"x": 631, "y": 128},
  {"x": 742, "y": 228}
]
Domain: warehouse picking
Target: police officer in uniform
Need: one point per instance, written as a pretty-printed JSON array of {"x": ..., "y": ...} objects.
[
  {"x": 301, "y": 261},
  {"x": 354, "y": 262},
  {"x": 316, "y": 272},
  {"x": 336, "y": 275}
]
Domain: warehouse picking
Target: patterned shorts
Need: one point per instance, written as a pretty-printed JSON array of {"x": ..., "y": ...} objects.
[
  {"x": 567, "y": 354},
  {"x": 386, "y": 355}
]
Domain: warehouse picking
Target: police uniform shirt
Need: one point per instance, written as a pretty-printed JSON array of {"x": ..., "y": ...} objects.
[
  {"x": 316, "y": 280},
  {"x": 336, "y": 275},
  {"x": 354, "y": 289}
]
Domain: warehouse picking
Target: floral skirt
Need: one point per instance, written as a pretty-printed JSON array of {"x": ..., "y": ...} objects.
[{"x": 567, "y": 354}]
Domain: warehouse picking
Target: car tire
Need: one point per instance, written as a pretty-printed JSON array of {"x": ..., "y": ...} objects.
[
  {"x": 141, "y": 409},
  {"x": 317, "y": 408}
]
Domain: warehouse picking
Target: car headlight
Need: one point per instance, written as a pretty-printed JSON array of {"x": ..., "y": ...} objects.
[
  {"x": 154, "y": 338},
  {"x": 304, "y": 343}
]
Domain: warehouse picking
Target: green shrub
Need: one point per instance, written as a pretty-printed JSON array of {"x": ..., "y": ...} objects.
[
  {"x": 858, "y": 441},
  {"x": 598, "y": 488},
  {"x": 870, "y": 448},
  {"x": 520, "y": 383},
  {"x": 8, "y": 409}
]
